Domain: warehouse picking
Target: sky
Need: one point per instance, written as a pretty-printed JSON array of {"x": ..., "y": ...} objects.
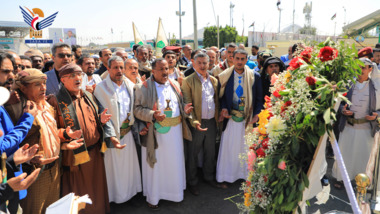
[{"x": 95, "y": 18}]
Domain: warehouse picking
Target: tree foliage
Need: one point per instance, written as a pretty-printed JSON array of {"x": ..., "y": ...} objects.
[
  {"x": 308, "y": 30},
  {"x": 227, "y": 34}
]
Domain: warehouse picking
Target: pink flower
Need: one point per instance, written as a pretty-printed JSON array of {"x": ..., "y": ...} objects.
[
  {"x": 251, "y": 159},
  {"x": 273, "y": 79},
  {"x": 282, "y": 165}
]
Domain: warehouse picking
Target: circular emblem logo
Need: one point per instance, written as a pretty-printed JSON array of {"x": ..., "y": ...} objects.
[{"x": 161, "y": 44}]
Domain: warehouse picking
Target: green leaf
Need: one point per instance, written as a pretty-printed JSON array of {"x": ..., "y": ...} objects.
[
  {"x": 308, "y": 203},
  {"x": 280, "y": 198},
  {"x": 295, "y": 147},
  {"x": 326, "y": 116},
  {"x": 299, "y": 117},
  {"x": 274, "y": 183}
]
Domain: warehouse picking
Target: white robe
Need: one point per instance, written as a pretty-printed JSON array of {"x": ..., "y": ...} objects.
[
  {"x": 122, "y": 165},
  {"x": 232, "y": 144},
  {"x": 167, "y": 179}
]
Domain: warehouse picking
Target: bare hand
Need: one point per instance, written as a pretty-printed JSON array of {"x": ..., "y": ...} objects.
[
  {"x": 24, "y": 154},
  {"x": 89, "y": 88},
  {"x": 224, "y": 114},
  {"x": 188, "y": 108},
  {"x": 198, "y": 127},
  {"x": 104, "y": 117},
  {"x": 19, "y": 183},
  {"x": 73, "y": 134},
  {"x": 14, "y": 98},
  {"x": 72, "y": 144},
  {"x": 180, "y": 78},
  {"x": 31, "y": 108},
  {"x": 144, "y": 131},
  {"x": 347, "y": 112},
  {"x": 254, "y": 119},
  {"x": 40, "y": 160},
  {"x": 371, "y": 117},
  {"x": 160, "y": 117},
  {"x": 116, "y": 143}
]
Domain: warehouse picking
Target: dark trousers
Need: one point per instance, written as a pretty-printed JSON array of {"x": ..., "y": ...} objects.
[{"x": 205, "y": 140}]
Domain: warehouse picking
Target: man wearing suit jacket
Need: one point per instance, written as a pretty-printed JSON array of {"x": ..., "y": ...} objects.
[
  {"x": 61, "y": 56},
  {"x": 241, "y": 100},
  {"x": 200, "y": 89}
]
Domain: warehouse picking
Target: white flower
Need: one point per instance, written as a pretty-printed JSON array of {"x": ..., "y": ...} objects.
[{"x": 275, "y": 127}]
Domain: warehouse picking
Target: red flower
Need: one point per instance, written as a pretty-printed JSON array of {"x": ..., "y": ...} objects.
[
  {"x": 306, "y": 54},
  {"x": 295, "y": 63},
  {"x": 311, "y": 80},
  {"x": 276, "y": 93},
  {"x": 264, "y": 143},
  {"x": 248, "y": 183},
  {"x": 345, "y": 94},
  {"x": 288, "y": 103},
  {"x": 327, "y": 53},
  {"x": 265, "y": 178},
  {"x": 260, "y": 153}
]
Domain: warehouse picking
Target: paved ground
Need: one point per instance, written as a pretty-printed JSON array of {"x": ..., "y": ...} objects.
[{"x": 212, "y": 200}]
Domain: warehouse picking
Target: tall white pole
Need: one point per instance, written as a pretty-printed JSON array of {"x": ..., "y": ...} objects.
[
  {"x": 294, "y": 11},
  {"x": 217, "y": 23},
  {"x": 180, "y": 24},
  {"x": 195, "y": 25},
  {"x": 279, "y": 20}
]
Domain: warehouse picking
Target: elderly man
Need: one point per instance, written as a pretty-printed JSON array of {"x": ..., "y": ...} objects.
[
  {"x": 142, "y": 54},
  {"x": 122, "y": 167},
  {"x": 190, "y": 70},
  {"x": 159, "y": 102},
  {"x": 83, "y": 168},
  {"x": 241, "y": 100},
  {"x": 229, "y": 60},
  {"x": 358, "y": 124},
  {"x": 87, "y": 64},
  {"x": 104, "y": 54},
  {"x": 131, "y": 71},
  {"x": 201, "y": 90},
  {"x": 31, "y": 85},
  {"x": 212, "y": 58},
  {"x": 37, "y": 58},
  {"x": 61, "y": 56},
  {"x": 174, "y": 73},
  {"x": 122, "y": 54}
]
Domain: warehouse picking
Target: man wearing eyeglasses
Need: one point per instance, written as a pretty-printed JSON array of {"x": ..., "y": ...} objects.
[
  {"x": 18, "y": 66},
  {"x": 61, "y": 56}
]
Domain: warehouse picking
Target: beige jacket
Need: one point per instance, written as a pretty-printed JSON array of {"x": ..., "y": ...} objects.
[{"x": 192, "y": 93}]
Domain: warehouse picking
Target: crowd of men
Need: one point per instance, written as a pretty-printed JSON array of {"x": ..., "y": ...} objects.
[{"x": 113, "y": 125}]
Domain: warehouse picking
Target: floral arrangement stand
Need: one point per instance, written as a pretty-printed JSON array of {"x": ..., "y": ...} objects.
[
  {"x": 318, "y": 158},
  {"x": 285, "y": 151}
]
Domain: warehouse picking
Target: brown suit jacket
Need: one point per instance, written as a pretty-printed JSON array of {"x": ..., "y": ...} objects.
[
  {"x": 192, "y": 93},
  {"x": 144, "y": 107}
]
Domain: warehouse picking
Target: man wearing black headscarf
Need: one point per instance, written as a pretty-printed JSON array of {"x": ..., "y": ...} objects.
[{"x": 272, "y": 65}]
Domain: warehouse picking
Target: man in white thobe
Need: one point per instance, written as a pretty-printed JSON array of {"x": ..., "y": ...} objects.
[
  {"x": 159, "y": 103},
  {"x": 237, "y": 82},
  {"x": 122, "y": 166}
]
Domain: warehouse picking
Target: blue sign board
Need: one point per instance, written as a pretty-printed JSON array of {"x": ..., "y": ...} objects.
[
  {"x": 6, "y": 41},
  {"x": 38, "y": 41}
]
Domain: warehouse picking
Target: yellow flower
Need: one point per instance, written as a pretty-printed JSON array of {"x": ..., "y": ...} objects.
[
  {"x": 288, "y": 76},
  {"x": 262, "y": 129},
  {"x": 247, "y": 198}
]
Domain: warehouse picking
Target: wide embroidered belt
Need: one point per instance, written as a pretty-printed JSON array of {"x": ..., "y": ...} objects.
[
  {"x": 353, "y": 121},
  {"x": 164, "y": 126}
]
